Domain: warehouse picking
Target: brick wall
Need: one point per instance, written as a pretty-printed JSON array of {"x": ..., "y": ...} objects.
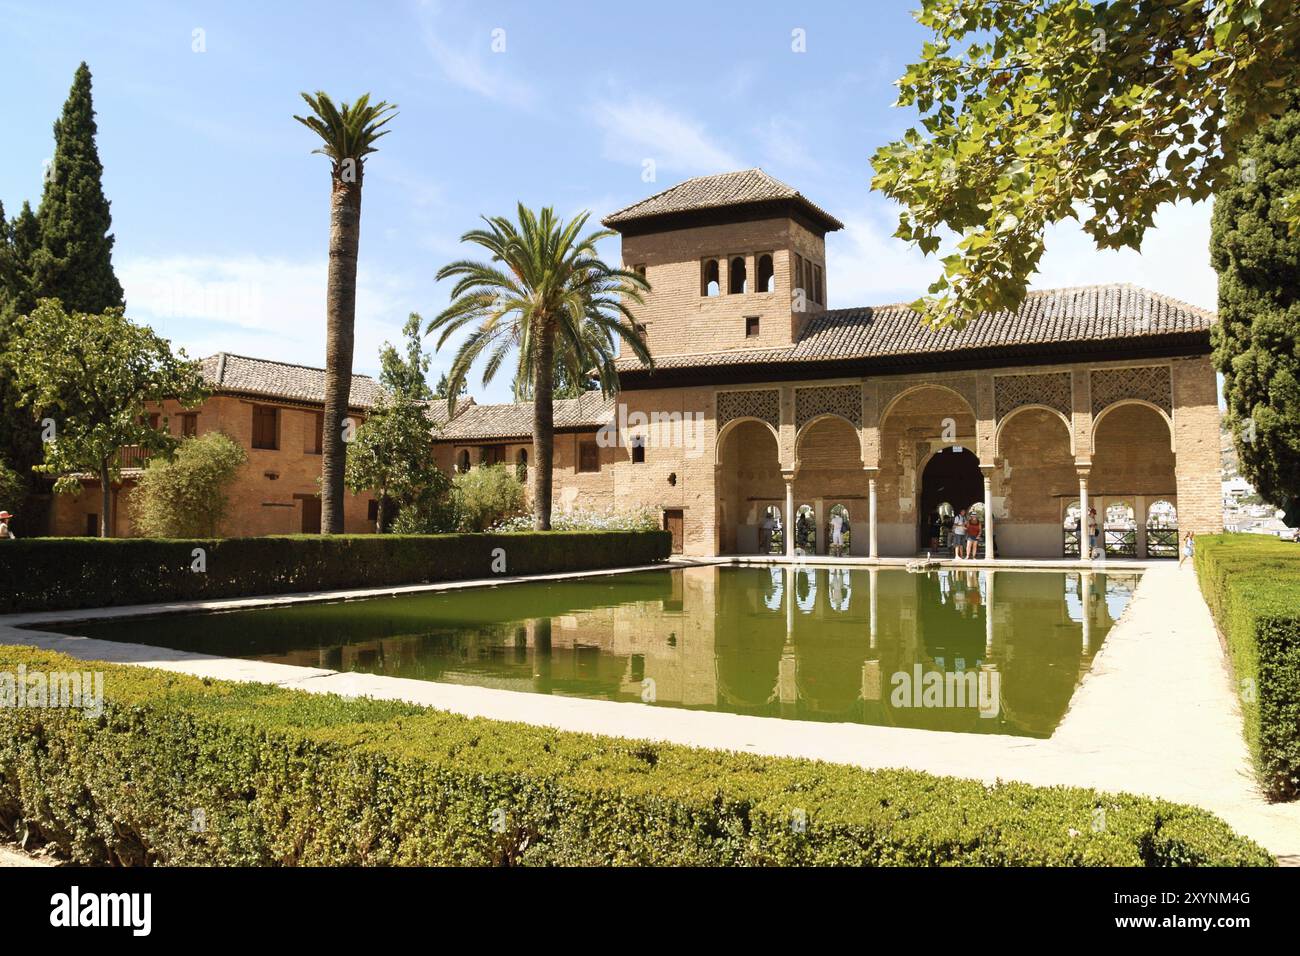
[{"x": 267, "y": 495}]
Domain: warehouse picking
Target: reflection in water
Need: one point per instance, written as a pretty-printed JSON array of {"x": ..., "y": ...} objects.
[{"x": 829, "y": 644}]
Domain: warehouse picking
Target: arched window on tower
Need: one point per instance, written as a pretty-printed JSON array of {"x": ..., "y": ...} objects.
[
  {"x": 736, "y": 279},
  {"x": 766, "y": 274},
  {"x": 710, "y": 283}
]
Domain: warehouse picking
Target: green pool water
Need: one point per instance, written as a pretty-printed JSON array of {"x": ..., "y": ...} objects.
[{"x": 974, "y": 651}]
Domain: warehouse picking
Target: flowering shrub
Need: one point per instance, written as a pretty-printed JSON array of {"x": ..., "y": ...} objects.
[{"x": 643, "y": 518}]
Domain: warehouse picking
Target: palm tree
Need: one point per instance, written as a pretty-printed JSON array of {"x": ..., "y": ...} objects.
[
  {"x": 547, "y": 296},
  {"x": 348, "y": 136}
]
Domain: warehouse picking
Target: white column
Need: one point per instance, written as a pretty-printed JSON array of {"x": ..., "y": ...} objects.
[
  {"x": 1085, "y": 588},
  {"x": 871, "y": 504},
  {"x": 988, "y": 512},
  {"x": 988, "y": 614},
  {"x": 874, "y": 575},
  {"x": 1085, "y": 551},
  {"x": 787, "y": 533}
]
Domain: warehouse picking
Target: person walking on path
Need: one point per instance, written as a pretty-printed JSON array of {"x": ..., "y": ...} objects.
[{"x": 1189, "y": 548}]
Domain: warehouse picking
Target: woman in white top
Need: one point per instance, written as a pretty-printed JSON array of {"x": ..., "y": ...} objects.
[{"x": 959, "y": 534}]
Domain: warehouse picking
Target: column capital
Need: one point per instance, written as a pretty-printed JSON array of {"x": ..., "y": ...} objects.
[
  {"x": 988, "y": 470},
  {"x": 787, "y": 474},
  {"x": 871, "y": 470},
  {"x": 1083, "y": 471}
]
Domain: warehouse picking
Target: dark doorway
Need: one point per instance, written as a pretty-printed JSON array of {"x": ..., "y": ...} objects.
[
  {"x": 310, "y": 513},
  {"x": 951, "y": 476},
  {"x": 673, "y": 519}
]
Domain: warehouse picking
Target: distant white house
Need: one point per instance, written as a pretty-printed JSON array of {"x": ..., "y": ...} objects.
[{"x": 1236, "y": 488}]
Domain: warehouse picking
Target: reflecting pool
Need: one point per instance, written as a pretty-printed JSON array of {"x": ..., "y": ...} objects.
[{"x": 976, "y": 651}]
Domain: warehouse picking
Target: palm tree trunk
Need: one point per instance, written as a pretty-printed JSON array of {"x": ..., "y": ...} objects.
[
  {"x": 106, "y": 501},
  {"x": 340, "y": 318},
  {"x": 543, "y": 427}
]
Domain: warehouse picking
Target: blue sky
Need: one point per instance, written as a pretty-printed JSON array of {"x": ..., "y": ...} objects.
[{"x": 220, "y": 211}]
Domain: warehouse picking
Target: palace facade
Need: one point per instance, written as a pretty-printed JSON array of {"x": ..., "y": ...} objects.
[{"x": 766, "y": 411}]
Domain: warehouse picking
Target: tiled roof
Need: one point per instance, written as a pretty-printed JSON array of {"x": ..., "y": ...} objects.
[
  {"x": 436, "y": 411},
  {"x": 714, "y": 192},
  {"x": 1120, "y": 313},
  {"x": 515, "y": 419},
  {"x": 225, "y": 372}
]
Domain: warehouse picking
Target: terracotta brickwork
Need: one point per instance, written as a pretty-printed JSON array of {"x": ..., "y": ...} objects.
[
  {"x": 270, "y": 494},
  {"x": 679, "y": 319}
]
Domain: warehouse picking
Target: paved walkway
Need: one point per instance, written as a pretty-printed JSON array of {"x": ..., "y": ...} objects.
[{"x": 1156, "y": 715}]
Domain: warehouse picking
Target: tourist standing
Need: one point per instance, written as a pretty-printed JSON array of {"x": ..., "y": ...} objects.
[
  {"x": 837, "y": 534},
  {"x": 1189, "y": 548},
  {"x": 765, "y": 534},
  {"x": 5, "y": 533},
  {"x": 972, "y": 536},
  {"x": 1092, "y": 533},
  {"x": 958, "y": 534}
]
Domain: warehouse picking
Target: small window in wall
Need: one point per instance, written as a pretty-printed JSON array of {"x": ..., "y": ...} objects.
[
  {"x": 521, "y": 464},
  {"x": 818, "y": 295},
  {"x": 710, "y": 283},
  {"x": 798, "y": 273},
  {"x": 266, "y": 427},
  {"x": 751, "y": 326},
  {"x": 638, "y": 449},
  {"x": 315, "y": 433},
  {"x": 462, "y": 461},
  {"x": 588, "y": 456},
  {"x": 766, "y": 274},
  {"x": 737, "y": 280},
  {"x": 492, "y": 455},
  {"x": 372, "y": 509},
  {"x": 92, "y": 526},
  {"x": 189, "y": 424}
]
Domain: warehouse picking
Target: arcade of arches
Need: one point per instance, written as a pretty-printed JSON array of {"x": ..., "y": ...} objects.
[{"x": 888, "y": 485}]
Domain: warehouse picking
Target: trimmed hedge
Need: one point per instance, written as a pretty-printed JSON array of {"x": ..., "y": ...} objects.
[
  {"x": 183, "y": 770},
  {"x": 47, "y": 574},
  {"x": 1252, "y": 585}
]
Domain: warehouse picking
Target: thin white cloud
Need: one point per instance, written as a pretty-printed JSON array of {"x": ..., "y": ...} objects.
[
  {"x": 475, "y": 67},
  {"x": 637, "y": 129},
  {"x": 1175, "y": 257},
  {"x": 784, "y": 144},
  {"x": 867, "y": 266},
  {"x": 267, "y": 307}
]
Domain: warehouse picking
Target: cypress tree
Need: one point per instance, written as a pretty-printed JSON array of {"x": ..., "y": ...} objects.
[
  {"x": 8, "y": 269},
  {"x": 20, "y": 445},
  {"x": 75, "y": 261},
  {"x": 1257, "y": 338},
  {"x": 24, "y": 238}
]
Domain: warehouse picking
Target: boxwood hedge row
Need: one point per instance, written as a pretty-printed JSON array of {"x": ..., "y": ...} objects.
[
  {"x": 182, "y": 770},
  {"x": 1252, "y": 585},
  {"x": 61, "y": 573}
]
